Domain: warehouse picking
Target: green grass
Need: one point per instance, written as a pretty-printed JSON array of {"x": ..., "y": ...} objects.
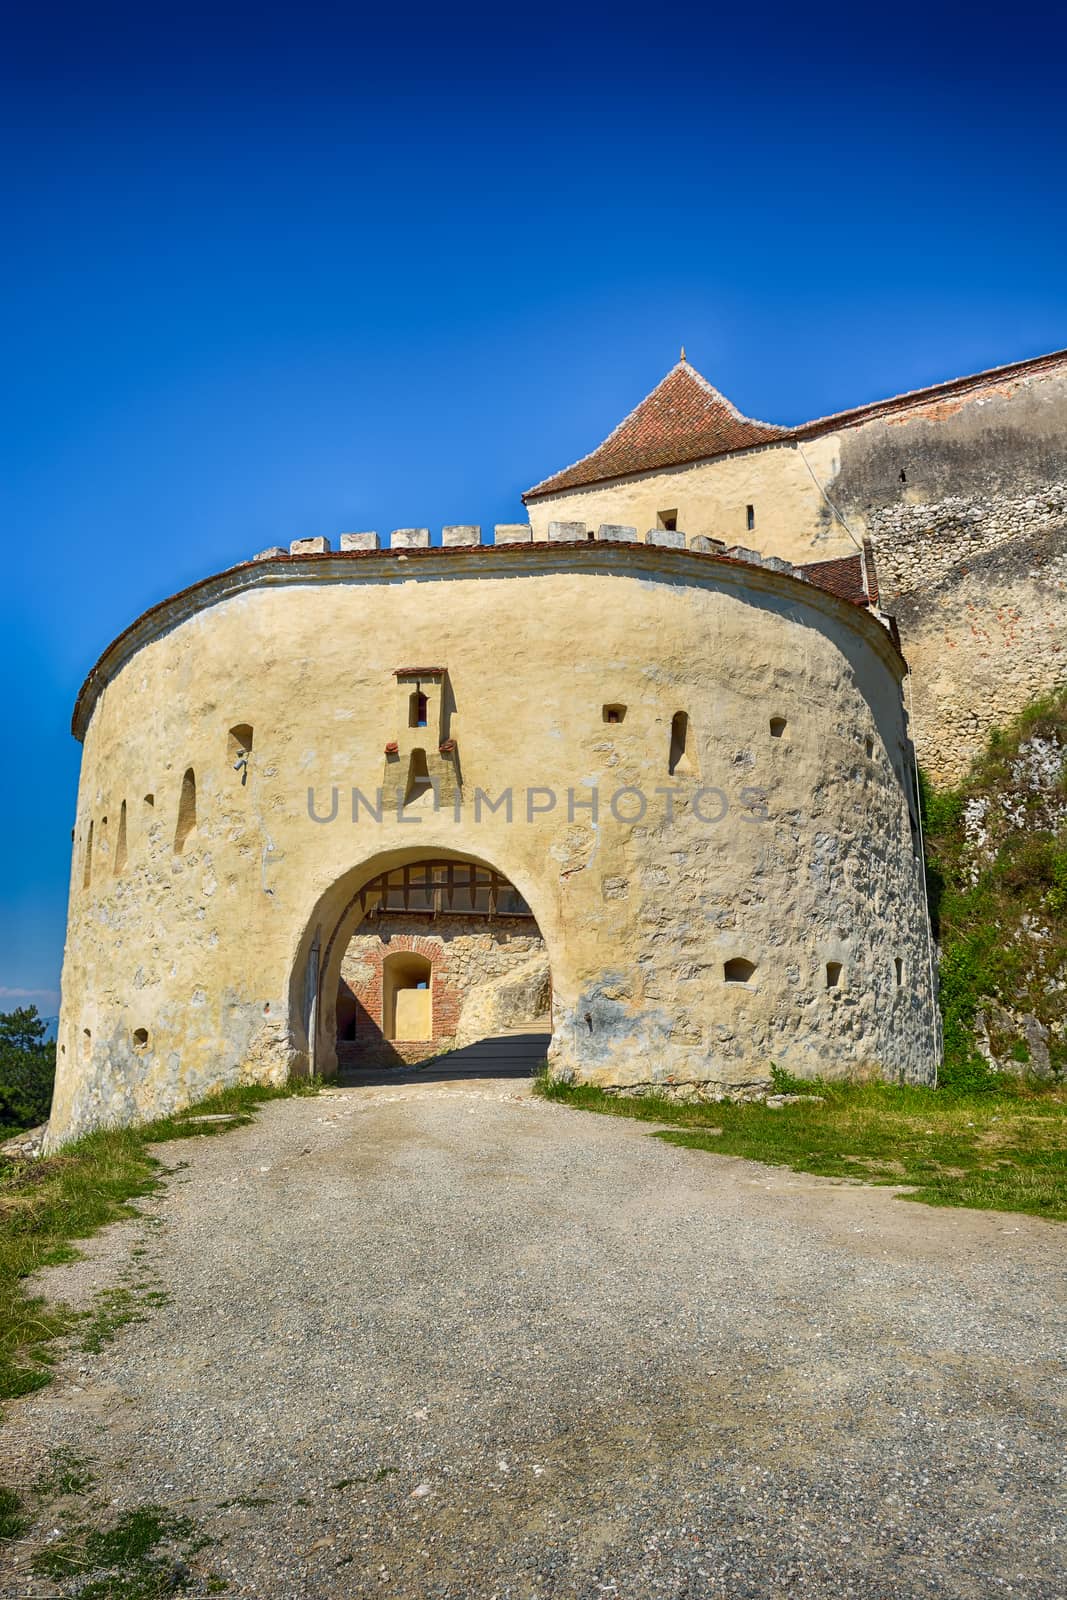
[
  {"x": 1001, "y": 1149},
  {"x": 124, "y": 1562},
  {"x": 47, "y": 1205},
  {"x": 115, "y": 1309},
  {"x": 64, "y": 1474},
  {"x": 13, "y": 1520},
  {"x": 375, "y": 1477},
  {"x": 142, "y": 1553}
]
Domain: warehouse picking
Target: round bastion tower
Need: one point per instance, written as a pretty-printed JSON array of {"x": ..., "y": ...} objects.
[{"x": 685, "y": 768}]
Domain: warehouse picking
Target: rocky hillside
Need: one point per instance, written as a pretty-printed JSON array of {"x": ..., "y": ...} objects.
[{"x": 997, "y": 866}]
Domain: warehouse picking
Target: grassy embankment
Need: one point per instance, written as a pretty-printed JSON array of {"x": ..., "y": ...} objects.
[
  {"x": 47, "y": 1205},
  {"x": 1001, "y": 1149}
]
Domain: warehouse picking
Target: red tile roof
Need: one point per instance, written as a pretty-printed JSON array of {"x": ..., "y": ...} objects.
[
  {"x": 843, "y": 577},
  {"x": 683, "y": 419}
]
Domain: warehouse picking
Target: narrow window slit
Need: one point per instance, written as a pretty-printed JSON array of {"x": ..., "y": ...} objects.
[
  {"x": 239, "y": 746},
  {"x": 678, "y": 760},
  {"x": 418, "y": 709},
  {"x": 120, "y": 842},
  {"x": 186, "y": 812}
]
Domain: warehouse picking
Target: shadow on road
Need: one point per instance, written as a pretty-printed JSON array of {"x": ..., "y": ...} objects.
[{"x": 508, "y": 1055}]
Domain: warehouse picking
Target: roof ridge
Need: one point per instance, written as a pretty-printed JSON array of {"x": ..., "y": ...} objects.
[
  {"x": 617, "y": 428},
  {"x": 932, "y": 389},
  {"x": 724, "y": 399}
]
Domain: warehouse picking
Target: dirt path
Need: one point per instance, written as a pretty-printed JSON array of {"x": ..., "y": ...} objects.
[{"x": 444, "y": 1340}]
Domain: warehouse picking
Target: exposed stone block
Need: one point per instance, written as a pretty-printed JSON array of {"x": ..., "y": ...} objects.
[
  {"x": 741, "y": 552},
  {"x": 715, "y": 547},
  {"x": 409, "y": 539},
  {"x": 672, "y": 538},
  {"x": 360, "y": 541},
  {"x": 273, "y": 550},
  {"x": 512, "y": 533},
  {"x": 309, "y": 547},
  {"x": 461, "y": 533},
  {"x": 565, "y": 532},
  {"x": 618, "y": 532},
  {"x": 777, "y": 564}
]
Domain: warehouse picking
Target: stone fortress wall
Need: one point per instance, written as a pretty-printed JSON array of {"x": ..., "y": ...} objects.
[
  {"x": 712, "y": 816},
  {"x": 962, "y": 491},
  {"x": 972, "y": 552}
]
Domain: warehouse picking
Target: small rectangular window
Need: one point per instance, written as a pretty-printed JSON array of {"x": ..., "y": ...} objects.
[
  {"x": 668, "y": 520},
  {"x": 750, "y": 517}
]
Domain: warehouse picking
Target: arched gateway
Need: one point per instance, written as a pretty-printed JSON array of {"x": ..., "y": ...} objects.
[
  {"x": 373, "y": 982},
  {"x": 691, "y": 769}
]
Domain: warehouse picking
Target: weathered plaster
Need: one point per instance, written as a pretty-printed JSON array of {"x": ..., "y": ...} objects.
[
  {"x": 780, "y": 481},
  {"x": 228, "y": 955}
]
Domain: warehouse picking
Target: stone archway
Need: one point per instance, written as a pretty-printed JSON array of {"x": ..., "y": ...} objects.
[
  {"x": 460, "y": 937},
  {"x": 405, "y": 911}
]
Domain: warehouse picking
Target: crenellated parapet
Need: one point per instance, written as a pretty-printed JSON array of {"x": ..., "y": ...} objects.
[{"x": 468, "y": 536}]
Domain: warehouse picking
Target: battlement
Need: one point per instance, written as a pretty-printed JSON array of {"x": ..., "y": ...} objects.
[{"x": 848, "y": 577}]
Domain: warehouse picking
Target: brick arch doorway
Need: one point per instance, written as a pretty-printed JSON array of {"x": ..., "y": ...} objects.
[{"x": 447, "y": 953}]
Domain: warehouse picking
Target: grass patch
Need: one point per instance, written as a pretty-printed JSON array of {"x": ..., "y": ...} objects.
[
  {"x": 115, "y": 1309},
  {"x": 141, "y": 1554},
  {"x": 374, "y": 1477},
  {"x": 47, "y": 1205},
  {"x": 1000, "y": 1149},
  {"x": 125, "y": 1561},
  {"x": 13, "y": 1521},
  {"x": 65, "y": 1474}
]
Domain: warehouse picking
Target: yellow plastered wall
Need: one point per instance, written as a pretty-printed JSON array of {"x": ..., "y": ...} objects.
[
  {"x": 785, "y": 850},
  {"x": 783, "y": 483}
]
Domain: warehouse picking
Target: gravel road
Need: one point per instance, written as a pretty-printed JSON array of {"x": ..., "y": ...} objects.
[{"x": 445, "y": 1340}]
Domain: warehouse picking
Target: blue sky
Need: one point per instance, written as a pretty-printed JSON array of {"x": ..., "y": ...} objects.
[{"x": 273, "y": 273}]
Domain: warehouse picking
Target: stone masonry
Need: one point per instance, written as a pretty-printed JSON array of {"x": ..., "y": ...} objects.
[{"x": 474, "y": 964}]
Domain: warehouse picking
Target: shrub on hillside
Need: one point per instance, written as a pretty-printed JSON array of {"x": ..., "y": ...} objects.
[{"x": 997, "y": 876}]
